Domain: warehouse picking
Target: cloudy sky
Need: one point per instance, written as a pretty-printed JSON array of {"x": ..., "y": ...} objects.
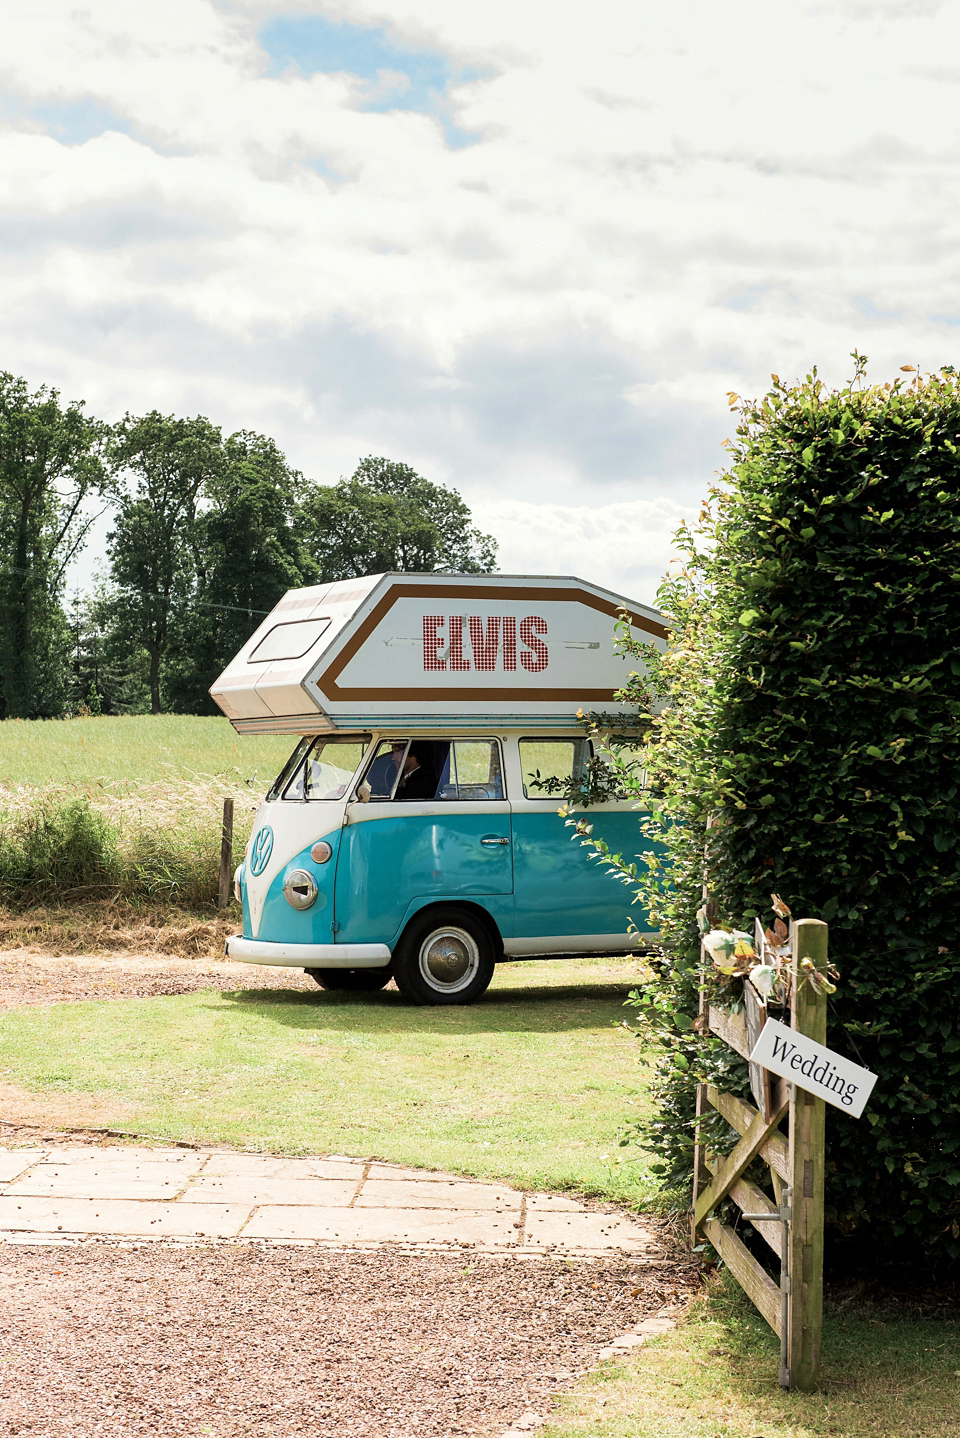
[{"x": 524, "y": 245}]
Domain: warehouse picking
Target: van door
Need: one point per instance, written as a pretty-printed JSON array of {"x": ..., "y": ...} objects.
[
  {"x": 429, "y": 822},
  {"x": 558, "y": 889}
]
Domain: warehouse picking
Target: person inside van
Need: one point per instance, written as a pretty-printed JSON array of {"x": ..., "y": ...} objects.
[
  {"x": 419, "y": 780},
  {"x": 384, "y": 769}
]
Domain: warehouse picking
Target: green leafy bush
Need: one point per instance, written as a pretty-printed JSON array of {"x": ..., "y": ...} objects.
[
  {"x": 813, "y": 717},
  {"x": 56, "y": 847}
]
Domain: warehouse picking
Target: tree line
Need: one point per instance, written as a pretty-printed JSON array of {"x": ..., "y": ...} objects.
[{"x": 208, "y": 532}]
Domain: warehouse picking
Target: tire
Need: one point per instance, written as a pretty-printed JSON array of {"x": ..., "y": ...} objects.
[
  {"x": 444, "y": 957},
  {"x": 358, "y": 980}
]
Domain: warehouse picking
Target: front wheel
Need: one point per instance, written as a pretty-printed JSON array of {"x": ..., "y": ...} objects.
[
  {"x": 359, "y": 980},
  {"x": 444, "y": 958}
]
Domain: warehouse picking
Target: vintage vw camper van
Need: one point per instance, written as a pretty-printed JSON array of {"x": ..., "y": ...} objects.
[{"x": 409, "y": 836}]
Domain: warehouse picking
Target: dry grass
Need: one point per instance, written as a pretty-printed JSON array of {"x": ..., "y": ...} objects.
[
  {"x": 155, "y": 842},
  {"x": 117, "y": 926}
]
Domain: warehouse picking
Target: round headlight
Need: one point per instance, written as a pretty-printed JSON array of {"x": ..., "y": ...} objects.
[
  {"x": 321, "y": 852},
  {"x": 300, "y": 888},
  {"x": 237, "y": 887}
]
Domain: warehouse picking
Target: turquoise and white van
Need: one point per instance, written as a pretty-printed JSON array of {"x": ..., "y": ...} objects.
[{"x": 409, "y": 836}]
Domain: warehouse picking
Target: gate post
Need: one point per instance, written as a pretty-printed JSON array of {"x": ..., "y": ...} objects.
[{"x": 807, "y": 1132}]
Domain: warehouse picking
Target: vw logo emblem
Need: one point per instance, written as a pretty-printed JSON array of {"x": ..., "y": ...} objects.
[{"x": 261, "y": 850}]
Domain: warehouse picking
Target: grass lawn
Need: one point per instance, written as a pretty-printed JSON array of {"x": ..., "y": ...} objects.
[
  {"x": 136, "y": 749},
  {"x": 530, "y": 1085},
  {"x": 716, "y": 1377}
]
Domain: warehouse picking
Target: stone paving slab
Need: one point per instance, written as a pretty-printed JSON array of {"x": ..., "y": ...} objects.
[
  {"x": 265, "y": 1165},
  {"x": 384, "y": 1225},
  {"x": 101, "y": 1174},
  {"x": 588, "y": 1230},
  {"x": 15, "y": 1161},
  {"x": 318, "y": 1192},
  {"x": 412, "y": 1193},
  {"x": 56, "y": 1193},
  {"x": 143, "y": 1218},
  {"x": 552, "y": 1203},
  {"x": 106, "y": 1156}
]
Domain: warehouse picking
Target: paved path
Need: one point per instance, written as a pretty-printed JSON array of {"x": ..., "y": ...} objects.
[{"x": 65, "y": 1194}]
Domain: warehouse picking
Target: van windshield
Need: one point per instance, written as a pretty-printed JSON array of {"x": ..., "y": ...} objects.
[{"x": 321, "y": 768}]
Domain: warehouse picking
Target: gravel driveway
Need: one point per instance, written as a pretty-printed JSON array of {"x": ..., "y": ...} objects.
[
  {"x": 239, "y": 1340},
  {"x": 28, "y": 977}
]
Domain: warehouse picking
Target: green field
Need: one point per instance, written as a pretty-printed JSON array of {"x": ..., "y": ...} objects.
[
  {"x": 530, "y": 1085},
  {"x": 136, "y": 749}
]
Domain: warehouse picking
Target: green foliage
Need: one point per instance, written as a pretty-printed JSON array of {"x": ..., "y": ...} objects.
[
  {"x": 54, "y": 847},
  {"x": 58, "y": 847},
  {"x": 814, "y": 702},
  {"x": 128, "y": 806},
  {"x": 208, "y": 534},
  {"x": 50, "y": 464},
  {"x": 104, "y": 661},
  {"x": 165, "y": 462},
  {"x": 247, "y": 552},
  {"x": 387, "y": 518}
]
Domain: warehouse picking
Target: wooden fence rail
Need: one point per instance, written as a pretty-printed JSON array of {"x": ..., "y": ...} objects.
[{"x": 792, "y": 1223}]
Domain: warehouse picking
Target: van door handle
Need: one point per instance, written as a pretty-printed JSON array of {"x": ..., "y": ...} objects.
[{"x": 493, "y": 839}]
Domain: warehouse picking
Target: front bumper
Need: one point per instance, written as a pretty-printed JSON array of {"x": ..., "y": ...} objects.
[{"x": 308, "y": 956}]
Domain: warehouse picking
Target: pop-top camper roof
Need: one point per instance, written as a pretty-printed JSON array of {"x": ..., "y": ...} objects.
[{"x": 414, "y": 650}]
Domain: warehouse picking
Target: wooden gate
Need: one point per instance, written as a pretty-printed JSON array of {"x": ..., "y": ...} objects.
[{"x": 793, "y": 1224}]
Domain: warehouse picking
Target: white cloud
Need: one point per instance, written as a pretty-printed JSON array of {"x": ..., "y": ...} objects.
[
  {"x": 626, "y": 547},
  {"x": 663, "y": 203}
]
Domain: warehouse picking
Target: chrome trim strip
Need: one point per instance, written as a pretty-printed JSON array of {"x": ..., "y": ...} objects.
[{"x": 576, "y": 944}]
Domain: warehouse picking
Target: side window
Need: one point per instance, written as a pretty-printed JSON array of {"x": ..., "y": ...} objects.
[
  {"x": 404, "y": 770},
  {"x": 475, "y": 771},
  {"x": 549, "y": 766},
  {"x": 380, "y": 780}
]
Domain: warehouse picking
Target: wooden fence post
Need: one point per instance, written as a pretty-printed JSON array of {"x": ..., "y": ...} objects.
[
  {"x": 226, "y": 854},
  {"x": 807, "y": 1169}
]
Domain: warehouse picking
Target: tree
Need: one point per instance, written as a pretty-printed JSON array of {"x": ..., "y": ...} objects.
[
  {"x": 104, "y": 668},
  {"x": 50, "y": 465},
  {"x": 246, "y": 554},
  {"x": 166, "y": 463},
  {"x": 385, "y": 518}
]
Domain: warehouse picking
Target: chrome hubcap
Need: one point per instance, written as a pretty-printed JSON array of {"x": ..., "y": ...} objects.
[{"x": 449, "y": 959}]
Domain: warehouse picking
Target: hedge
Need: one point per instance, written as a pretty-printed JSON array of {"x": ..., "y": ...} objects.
[{"x": 813, "y": 714}]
